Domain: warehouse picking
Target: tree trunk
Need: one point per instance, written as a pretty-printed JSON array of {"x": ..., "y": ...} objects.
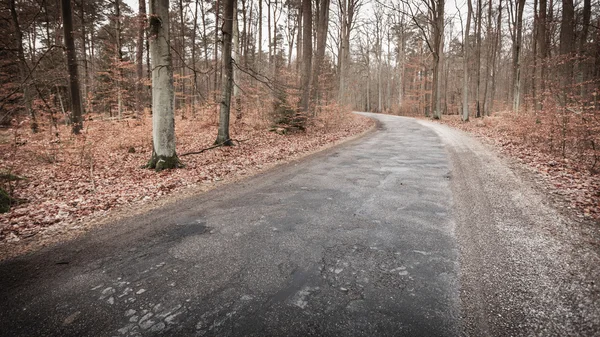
[
  {"x": 260, "y": 17},
  {"x": 299, "y": 39},
  {"x": 227, "y": 80},
  {"x": 163, "y": 93},
  {"x": 236, "y": 60},
  {"x": 216, "y": 51},
  {"x": 183, "y": 100},
  {"x": 23, "y": 68},
  {"x": 478, "y": 18},
  {"x": 542, "y": 49},
  {"x": 76, "y": 106},
  {"x": 581, "y": 50},
  {"x": 465, "y": 114},
  {"x": 497, "y": 48},
  {"x": 489, "y": 57},
  {"x": 567, "y": 46},
  {"x": 194, "y": 61},
  {"x": 347, "y": 12},
  {"x": 118, "y": 57},
  {"x": 306, "y": 54},
  {"x": 437, "y": 57},
  {"x": 518, "y": 36},
  {"x": 139, "y": 56},
  {"x": 322, "y": 25}
]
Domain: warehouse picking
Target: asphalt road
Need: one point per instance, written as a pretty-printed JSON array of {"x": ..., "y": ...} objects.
[{"x": 412, "y": 230}]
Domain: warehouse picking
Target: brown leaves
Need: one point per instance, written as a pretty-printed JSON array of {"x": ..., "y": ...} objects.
[{"x": 523, "y": 138}]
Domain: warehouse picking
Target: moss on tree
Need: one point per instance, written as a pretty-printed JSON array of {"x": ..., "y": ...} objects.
[{"x": 159, "y": 163}]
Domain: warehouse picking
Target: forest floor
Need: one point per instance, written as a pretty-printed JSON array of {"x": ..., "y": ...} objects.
[
  {"x": 572, "y": 185},
  {"x": 69, "y": 184}
]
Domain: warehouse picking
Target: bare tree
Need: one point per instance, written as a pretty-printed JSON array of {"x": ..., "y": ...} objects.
[
  {"x": 517, "y": 35},
  {"x": 139, "y": 54},
  {"x": 322, "y": 7},
  {"x": 348, "y": 11},
  {"x": 227, "y": 81},
  {"x": 163, "y": 118},
  {"x": 465, "y": 103},
  {"x": 23, "y": 67},
  {"x": 76, "y": 103},
  {"x": 306, "y": 54}
]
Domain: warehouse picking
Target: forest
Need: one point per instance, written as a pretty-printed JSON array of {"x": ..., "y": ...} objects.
[{"x": 83, "y": 101}]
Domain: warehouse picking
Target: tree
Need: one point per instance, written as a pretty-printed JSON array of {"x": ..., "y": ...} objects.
[
  {"x": 306, "y": 54},
  {"x": 76, "y": 103},
  {"x": 140, "y": 53},
  {"x": 23, "y": 67},
  {"x": 227, "y": 76},
  {"x": 348, "y": 11},
  {"x": 322, "y": 25},
  {"x": 465, "y": 107},
  {"x": 163, "y": 118},
  {"x": 517, "y": 34}
]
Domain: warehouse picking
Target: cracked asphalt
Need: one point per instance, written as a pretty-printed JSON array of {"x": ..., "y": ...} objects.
[{"x": 412, "y": 230}]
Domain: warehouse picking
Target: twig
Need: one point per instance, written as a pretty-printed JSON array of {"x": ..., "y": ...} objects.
[{"x": 213, "y": 147}]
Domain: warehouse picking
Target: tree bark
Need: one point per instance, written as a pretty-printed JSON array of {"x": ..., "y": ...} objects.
[
  {"x": 567, "y": 45},
  {"x": 23, "y": 68},
  {"x": 322, "y": 25},
  {"x": 163, "y": 93},
  {"x": 118, "y": 57},
  {"x": 497, "y": 48},
  {"x": 139, "y": 55},
  {"x": 437, "y": 56},
  {"x": 227, "y": 80},
  {"x": 216, "y": 51},
  {"x": 306, "y": 54},
  {"x": 518, "y": 36},
  {"x": 237, "y": 61},
  {"x": 542, "y": 47},
  {"x": 465, "y": 113},
  {"x": 478, "y": 18},
  {"x": 76, "y": 105}
]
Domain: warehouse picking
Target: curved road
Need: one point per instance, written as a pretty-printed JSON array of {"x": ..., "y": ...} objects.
[{"x": 412, "y": 230}]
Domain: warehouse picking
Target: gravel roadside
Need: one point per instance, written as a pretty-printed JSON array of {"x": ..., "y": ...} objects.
[{"x": 526, "y": 269}]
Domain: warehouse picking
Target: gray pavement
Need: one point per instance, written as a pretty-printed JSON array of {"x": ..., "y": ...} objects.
[{"x": 359, "y": 240}]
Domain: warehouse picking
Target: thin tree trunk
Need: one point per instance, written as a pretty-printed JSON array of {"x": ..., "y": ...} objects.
[
  {"x": 23, "y": 68},
  {"x": 437, "y": 59},
  {"x": 84, "y": 54},
  {"x": 465, "y": 114},
  {"x": 236, "y": 60},
  {"x": 194, "y": 61},
  {"x": 216, "y": 51},
  {"x": 306, "y": 54},
  {"x": 322, "y": 25},
  {"x": 497, "y": 48},
  {"x": 260, "y": 18},
  {"x": 542, "y": 49},
  {"x": 299, "y": 39},
  {"x": 478, "y": 18},
  {"x": 118, "y": 58},
  {"x": 489, "y": 56},
  {"x": 567, "y": 49},
  {"x": 139, "y": 55},
  {"x": 76, "y": 106},
  {"x": 183, "y": 60},
  {"x": 227, "y": 81},
  {"x": 518, "y": 36},
  {"x": 269, "y": 42}
]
